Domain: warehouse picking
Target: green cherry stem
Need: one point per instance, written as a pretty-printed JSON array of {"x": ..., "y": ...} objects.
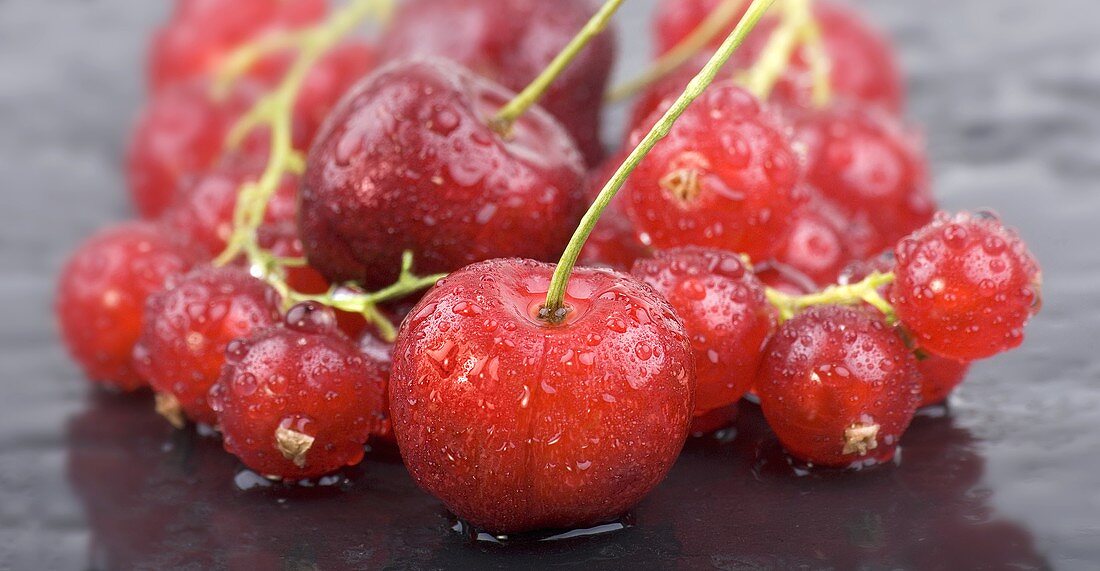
[
  {"x": 554, "y": 308},
  {"x": 865, "y": 291},
  {"x": 716, "y": 22},
  {"x": 534, "y": 91}
]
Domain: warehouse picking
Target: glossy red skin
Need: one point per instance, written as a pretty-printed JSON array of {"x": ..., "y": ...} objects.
[
  {"x": 202, "y": 34},
  {"x": 181, "y": 131},
  {"x": 187, "y": 327},
  {"x": 939, "y": 377},
  {"x": 725, "y": 312},
  {"x": 747, "y": 173},
  {"x": 816, "y": 246},
  {"x": 614, "y": 243},
  {"x": 327, "y": 82},
  {"x": 305, "y": 376},
  {"x": 101, "y": 295},
  {"x": 511, "y": 42},
  {"x": 863, "y": 67},
  {"x": 830, "y": 368},
  {"x": 870, "y": 167},
  {"x": 408, "y": 162},
  {"x": 966, "y": 286},
  {"x": 517, "y": 425},
  {"x": 380, "y": 352},
  {"x": 203, "y": 211}
]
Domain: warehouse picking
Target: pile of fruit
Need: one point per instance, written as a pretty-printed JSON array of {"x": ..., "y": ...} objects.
[{"x": 775, "y": 239}]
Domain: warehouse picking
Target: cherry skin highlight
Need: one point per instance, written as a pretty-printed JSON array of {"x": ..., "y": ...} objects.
[
  {"x": 966, "y": 286},
  {"x": 517, "y": 424},
  {"x": 838, "y": 387},
  {"x": 725, "y": 177},
  {"x": 101, "y": 295},
  {"x": 511, "y": 42},
  {"x": 725, "y": 312},
  {"x": 187, "y": 328},
  {"x": 299, "y": 400},
  {"x": 408, "y": 162},
  {"x": 939, "y": 377}
]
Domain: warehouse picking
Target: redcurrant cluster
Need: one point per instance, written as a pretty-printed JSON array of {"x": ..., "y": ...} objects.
[{"x": 777, "y": 236}]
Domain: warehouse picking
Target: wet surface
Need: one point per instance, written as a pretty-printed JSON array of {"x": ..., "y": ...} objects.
[{"x": 1008, "y": 92}]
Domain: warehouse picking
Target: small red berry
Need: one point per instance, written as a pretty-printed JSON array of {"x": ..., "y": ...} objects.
[
  {"x": 725, "y": 312},
  {"x": 101, "y": 296},
  {"x": 299, "y": 400},
  {"x": 838, "y": 387},
  {"x": 816, "y": 246},
  {"x": 966, "y": 286},
  {"x": 939, "y": 377},
  {"x": 517, "y": 424},
  {"x": 724, "y": 178},
  {"x": 187, "y": 328}
]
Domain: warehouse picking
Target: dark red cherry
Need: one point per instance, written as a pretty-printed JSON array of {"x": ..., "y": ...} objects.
[
  {"x": 187, "y": 329},
  {"x": 329, "y": 79},
  {"x": 101, "y": 296},
  {"x": 725, "y": 177},
  {"x": 511, "y": 42},
  {"x": 838, "y": 387},
  {"x": 517, "y": 424},
  {"x": 726, "y": 315},
  {"x": 299, "y": 400},
  {"x": 408, "y": 162}
]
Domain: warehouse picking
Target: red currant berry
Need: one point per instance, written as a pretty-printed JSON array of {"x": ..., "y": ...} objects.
[
  {"x": 838, "y": 387},
  {"x": 187, "y": 328},
  {"x": 201, "y": 34},
  {"x": 614, "y": 242},
  {"x": 726, "y": 315},
  {"x": 966, "y": 286},
  {"x": 299, "y": 401},
  {"x": 816, "y": 246},
  {"x": 431, "y": 176},
  {"x": 101, "y": 295},
  {"x": 871, "y": 168},
  {"x": 180, "y": 132},
  {"x": 939, "y": 377},
  {"x": 511, "y": 42},
  {"x": 723, "y": 178},
  {"x": 519, "y": 424}
]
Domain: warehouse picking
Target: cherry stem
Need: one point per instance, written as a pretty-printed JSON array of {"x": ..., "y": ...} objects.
[
  {"x": 514, "y": 109},
  {"x": 865, "y": 291},
  {"x": 798, "y": 28},
  {"x": 716, "y": 22},
  {"x": 555, "y": 297}
]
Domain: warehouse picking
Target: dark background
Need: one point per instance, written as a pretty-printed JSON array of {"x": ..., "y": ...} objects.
[{"x": 1008, "y": 92}]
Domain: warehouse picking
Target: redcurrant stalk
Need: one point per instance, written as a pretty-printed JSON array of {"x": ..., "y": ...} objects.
[
  {"x": 798, "y": 28},
  {"x": 554, "y": 309},
  {"x": 534, "y": 91},
  {"x": 865, "y": 291}
]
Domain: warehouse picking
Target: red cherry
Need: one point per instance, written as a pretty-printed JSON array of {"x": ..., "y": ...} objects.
[
  {"x": 939, "y": 377},
  {"x": 725, "y": 313},
  {"x": 408, "y": 162},
  {"x": 181, "y": 131},
  {"x": 328, "y": 81},
  {"x": 380, "y": 352},
  {"x": 201, "y": 34},
  {"x": 871, "y": 168},
  {"x": 101, "y": 295},
  {"x": 838, "y": 387},
  {"x": 188, "y": 326},
  {"x": 511, "y": 42},
  {"x": 517, "y": 424},
  {"x": 614, "y": 242},
  {"x": 723, "y": 178},
  {"x": 299, "y": 400},
  {"x": 966, "y": 286}
]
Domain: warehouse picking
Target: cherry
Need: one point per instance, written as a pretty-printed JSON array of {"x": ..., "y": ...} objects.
[
  {"x": 511, "y": 42},
  {"x": 201, "y": 34},
  {"x": 725, "y": 313},
  {"x": 187, "y": 328},
  {"x": 869, "y": 166},
  {"x": 329, "y": 79},
  {"x": 675, "y": 20},
  {"x": 517, "y": 423},
  {"x": 381, "y": 352},
  {"x": 409, "y": 162},
  {"x": 966, "y": 286},
  {"x": 723, "y": 178},
  {"x": 838, "y": 387},
  {"x": 299, "y": 400},
  {"x": 939, "y": 377},
  {"x": 614, "y": 242},
  {"x": 181, "y": 131},
  {"x": 102, "y": 291}
]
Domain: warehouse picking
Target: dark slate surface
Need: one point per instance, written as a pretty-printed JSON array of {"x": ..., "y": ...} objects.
[{"x": 1009, "y": 93}]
